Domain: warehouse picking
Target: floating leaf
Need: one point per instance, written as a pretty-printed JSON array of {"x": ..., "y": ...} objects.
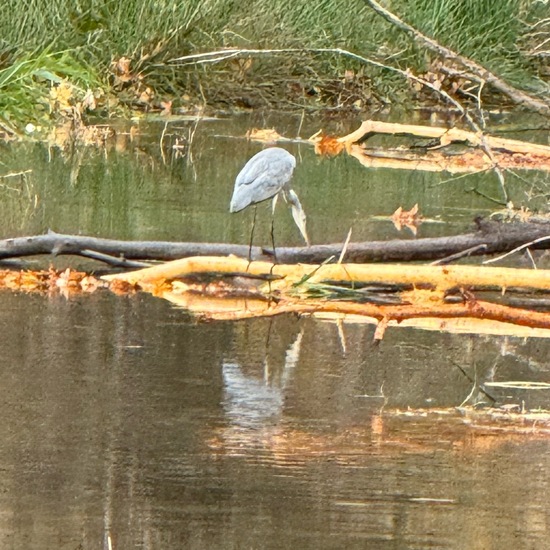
[{"x": 407, "y": 218}]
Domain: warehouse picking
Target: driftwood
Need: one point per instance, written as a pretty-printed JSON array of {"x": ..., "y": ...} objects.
[
  {"x": 490, "y": 238},
  {"x": 285, "y": 276},
  {"x": 444, "y": 298},
  {"x": 444, "y": 137},
  {"x": 114, "y": 252},
  {"x": 433, "y": 157}
]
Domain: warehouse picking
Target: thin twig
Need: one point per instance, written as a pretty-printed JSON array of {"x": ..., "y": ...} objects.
[
  {"x": 345, "y": 247},
  {"x": 518, "y": 249},
  {"x": 459, "y": 255},
  {"x": 112, "y": 260},
  {"x": 15, "y": 174},
  {"x": 161, "y": 145}
]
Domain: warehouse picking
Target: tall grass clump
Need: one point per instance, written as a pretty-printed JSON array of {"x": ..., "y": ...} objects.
[{"x": 26, "y": 83}]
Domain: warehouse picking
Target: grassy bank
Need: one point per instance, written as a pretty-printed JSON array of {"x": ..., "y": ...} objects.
[{"x": 45, "y": 41}]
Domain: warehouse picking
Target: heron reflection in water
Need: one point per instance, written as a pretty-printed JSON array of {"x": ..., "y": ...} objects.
[{"x": 267, "y": 175}]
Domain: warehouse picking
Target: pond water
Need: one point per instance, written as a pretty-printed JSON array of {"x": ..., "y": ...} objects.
[{"x": 128, "y": 424}]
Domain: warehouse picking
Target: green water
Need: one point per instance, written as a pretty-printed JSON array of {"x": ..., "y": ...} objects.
[{"x": 133, "y": 190}]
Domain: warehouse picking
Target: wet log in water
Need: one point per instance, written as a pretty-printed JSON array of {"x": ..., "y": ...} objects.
[
  {"x": 478, "y": 151},
  {"x": 489, "y": 238},
  {"x": 424, "y": 294}
]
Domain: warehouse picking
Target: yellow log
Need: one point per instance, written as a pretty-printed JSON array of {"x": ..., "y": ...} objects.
[
  {"x": 440, "y": 277},
  {"x": 445, "y": 135}
]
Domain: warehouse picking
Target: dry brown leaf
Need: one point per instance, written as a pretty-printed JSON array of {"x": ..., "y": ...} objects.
[
  {"x": 166, "y": 108},
  {"x": 121, "y": 69},
  {"x": 242, "y": 65},
  {"x": 50, "y": 280},
  {"x": 122, "y": 287},
  {"x": 89, "y": 102},
  {"x": 90, "y": 284},
  {"x": 349, "y": 75},
  {"x": 68, "y": 279},
  {"x": 146, "y": 96},
  {"x": 61, "y": 97}
]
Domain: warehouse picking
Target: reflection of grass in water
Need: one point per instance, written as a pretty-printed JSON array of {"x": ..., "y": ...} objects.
[
  {"x": 20, "y": 201},
  {"x": 102, "y": 192}
]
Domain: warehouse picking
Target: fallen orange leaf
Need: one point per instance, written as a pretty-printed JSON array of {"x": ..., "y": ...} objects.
[{"x": 407, "y": 218}]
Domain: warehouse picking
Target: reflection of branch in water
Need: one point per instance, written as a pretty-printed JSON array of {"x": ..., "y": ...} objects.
[{"x": 249, "y": 401}]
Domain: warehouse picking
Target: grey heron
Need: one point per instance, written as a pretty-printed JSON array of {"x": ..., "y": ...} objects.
[{"x": 266, "y": 175}]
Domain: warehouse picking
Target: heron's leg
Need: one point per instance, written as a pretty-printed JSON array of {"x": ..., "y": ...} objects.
[
  {"x": 273, "y": 228},
  {"x": 251, "y": 236}
]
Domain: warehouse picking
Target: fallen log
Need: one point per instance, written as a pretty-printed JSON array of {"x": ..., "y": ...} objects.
[
  {"x": 490, "y": 238},
  {"x": 283, "y": 276},
  {"x": 290, "y": 289},
  {"x": 479, "y": 151},
  {"x": 444, "y": 137}
]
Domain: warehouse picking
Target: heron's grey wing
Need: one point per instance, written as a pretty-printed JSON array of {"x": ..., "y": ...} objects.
[
  {"x": 262, "y": 177},
  {"x": 297, "y": 212}
]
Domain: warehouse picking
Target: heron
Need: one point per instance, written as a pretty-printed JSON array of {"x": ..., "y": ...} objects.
[{"x": 267, "y": 175}]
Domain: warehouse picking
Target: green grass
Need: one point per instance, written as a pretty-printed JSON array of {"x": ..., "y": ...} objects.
[
  {"x": 93, "y": 33},
  {"x": 486, "y": 31}
]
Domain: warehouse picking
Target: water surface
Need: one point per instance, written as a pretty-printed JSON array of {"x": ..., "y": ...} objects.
[{"x": 128, "y": 423}]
